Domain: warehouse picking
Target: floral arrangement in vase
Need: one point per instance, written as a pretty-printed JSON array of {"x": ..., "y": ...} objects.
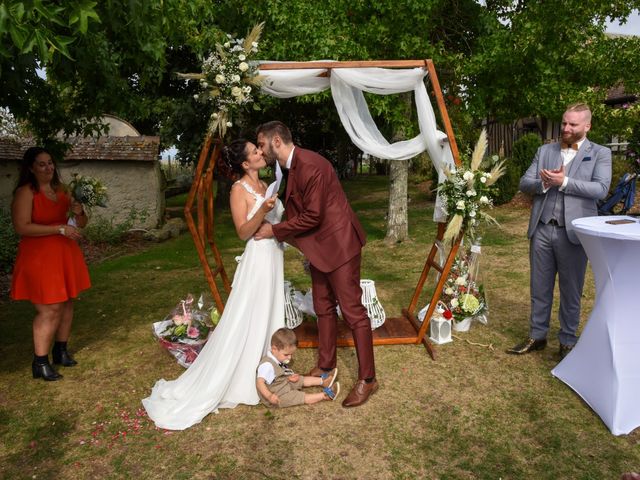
[
  {"x": 463, "y": 294},
  {"x": 468, "y": 192},
  {"x": 228, "y": 78}
]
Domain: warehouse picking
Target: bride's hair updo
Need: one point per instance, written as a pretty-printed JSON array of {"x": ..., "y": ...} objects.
[{"x": 233, "y": 155}]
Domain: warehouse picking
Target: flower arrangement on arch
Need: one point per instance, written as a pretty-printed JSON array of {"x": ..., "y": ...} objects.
[
  {"x": 467, "y": 192},
  {"x": 228, "y": 79}
]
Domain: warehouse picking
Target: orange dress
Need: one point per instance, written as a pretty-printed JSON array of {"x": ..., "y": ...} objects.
[{"x": 49, "y": 269}]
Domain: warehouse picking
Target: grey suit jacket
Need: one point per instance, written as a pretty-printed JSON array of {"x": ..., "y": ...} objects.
[{"x": 589, "y": 178}]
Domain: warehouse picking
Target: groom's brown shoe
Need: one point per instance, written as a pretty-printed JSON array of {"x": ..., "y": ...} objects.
[
  {"x": 360, "y": 393},
  {"x": 529, "y": 345}
]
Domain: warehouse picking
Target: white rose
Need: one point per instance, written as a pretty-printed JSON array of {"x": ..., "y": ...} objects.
[
  {"x": 243, "y": 67},
  {"x": 472, "y": 213},
  {"x": 242, "y": 57},
  {"x": 449, "y": 291},
  {"x": 488, "y": 175},
  {"x": 467, "y": 175},
  {"x": 460, "y": 205},
  {"x": 254, "y": 44},
  {"x": 214, "y": 116},
  {"x": 471, "y": 193},
  {"x": 483, "y": 179},
  {"x": 227, "y": 45},
  {"x": 484, "y": 200},
  {"x": 454, "y": 302},
  {"x": 229, "y": 124},
  {"x": 204, "y": 84},
  {"x": 220, "y": 78},
  {"x": 196, "y": 96},
  {"x": 235, "y": 78},
  {"x": 461, "y": 280},
  {"x": 236, "y": 91}
]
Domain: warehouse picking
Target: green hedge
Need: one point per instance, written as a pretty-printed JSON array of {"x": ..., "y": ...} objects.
[
  {"x": 524, "y": 149},
  {"x": 8, "y": 242}
]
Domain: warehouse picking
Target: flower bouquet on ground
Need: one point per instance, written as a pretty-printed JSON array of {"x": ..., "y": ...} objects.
[
  {"x": 186, "y": 329},
  {"x": 463, "y": 293}
]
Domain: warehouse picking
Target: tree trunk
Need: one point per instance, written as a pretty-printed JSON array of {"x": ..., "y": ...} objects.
[{"x": 397, "y": 218}]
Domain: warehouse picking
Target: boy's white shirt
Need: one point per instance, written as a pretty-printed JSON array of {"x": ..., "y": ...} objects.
[{"x": 266, "y": 370}]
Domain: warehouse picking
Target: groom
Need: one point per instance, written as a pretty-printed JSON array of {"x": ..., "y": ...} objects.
[{"x": 323, "y": 226}]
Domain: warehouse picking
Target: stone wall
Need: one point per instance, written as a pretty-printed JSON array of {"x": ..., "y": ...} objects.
[{"x": 128, "y": 166}]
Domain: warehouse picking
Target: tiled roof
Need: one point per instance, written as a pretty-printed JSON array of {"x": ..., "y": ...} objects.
[
  {"x": 143, "y": 148},
  {"x": 617, "y": 94}
]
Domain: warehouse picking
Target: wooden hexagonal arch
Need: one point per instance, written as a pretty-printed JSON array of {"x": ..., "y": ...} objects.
[{"x": 404, "y": 329}]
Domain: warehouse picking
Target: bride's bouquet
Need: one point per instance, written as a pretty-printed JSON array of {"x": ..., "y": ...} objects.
[{"x": 186, "y": 329}]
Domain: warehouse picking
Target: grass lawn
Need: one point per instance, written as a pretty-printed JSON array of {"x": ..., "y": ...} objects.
[{"x": 475, "y": 413}]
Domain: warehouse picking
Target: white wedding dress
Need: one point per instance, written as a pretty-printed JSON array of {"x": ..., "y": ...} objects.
[{"x": 224, "y": 374}]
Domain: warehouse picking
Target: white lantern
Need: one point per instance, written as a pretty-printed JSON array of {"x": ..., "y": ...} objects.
[
  {"x": 440, "y": 330},
  {"x": 440, "y": 327}
]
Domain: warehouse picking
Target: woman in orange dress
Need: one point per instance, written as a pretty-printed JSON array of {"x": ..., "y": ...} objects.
[{"x": 50, "y": 270}]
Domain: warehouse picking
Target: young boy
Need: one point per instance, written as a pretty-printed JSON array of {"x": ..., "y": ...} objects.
[{"x": 278, "y": 386}]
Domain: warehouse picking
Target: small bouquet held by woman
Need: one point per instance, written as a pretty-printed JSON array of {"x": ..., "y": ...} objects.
[
  {"x": 186, "y": 329},
  {"x": 87, "y": 191}
]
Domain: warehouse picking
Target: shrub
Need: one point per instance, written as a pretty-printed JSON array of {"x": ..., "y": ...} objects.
[
  {"x": 524, "y": 149},
  {"x": 105, "y": 230},
  {"x": 8, "y": 242}
]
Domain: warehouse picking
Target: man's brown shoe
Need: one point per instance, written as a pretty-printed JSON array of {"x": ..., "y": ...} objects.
[
  {"x": 529, "y": 345},
  {"x": 564, "y": 350},
  {"x": 360, "y": 393}
]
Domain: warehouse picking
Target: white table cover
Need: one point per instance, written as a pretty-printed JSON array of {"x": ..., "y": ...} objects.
[{"x": 604, "y": 366}]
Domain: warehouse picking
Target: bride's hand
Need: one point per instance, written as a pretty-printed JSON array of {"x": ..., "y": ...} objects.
[{"x": 269, "y": 203}]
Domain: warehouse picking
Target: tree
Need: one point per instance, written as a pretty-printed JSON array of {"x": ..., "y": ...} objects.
[
  {"x": 533, "y": 61},
  {"x": 366, "y": 30},
  {"x": 115, "y": 56}
]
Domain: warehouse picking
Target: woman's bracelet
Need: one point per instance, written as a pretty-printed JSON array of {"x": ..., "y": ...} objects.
[{"x": 62, "y": 231}]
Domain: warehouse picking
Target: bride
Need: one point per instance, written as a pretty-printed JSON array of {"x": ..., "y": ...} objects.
[{"x": 224, "y": 373}]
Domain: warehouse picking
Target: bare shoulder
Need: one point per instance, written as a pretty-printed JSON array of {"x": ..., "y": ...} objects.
[{"x": 23, "y": 193}]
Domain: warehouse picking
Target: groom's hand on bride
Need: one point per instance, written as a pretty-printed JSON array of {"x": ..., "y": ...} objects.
[{"x": 264, "y": 231}]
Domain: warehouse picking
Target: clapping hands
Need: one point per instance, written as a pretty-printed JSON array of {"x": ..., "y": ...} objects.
[{"x": 552, "y": 178}]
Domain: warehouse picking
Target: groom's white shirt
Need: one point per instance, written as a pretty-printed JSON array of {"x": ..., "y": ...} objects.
[{"x": 290, "y": 159}]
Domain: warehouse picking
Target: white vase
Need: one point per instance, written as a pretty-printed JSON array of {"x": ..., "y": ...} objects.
[{"x": 462, "y": 325}]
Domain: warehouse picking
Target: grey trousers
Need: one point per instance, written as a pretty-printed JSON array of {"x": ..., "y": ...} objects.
[{"x": 550, "y": 254}]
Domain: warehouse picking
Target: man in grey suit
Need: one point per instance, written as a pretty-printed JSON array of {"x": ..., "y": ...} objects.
[{"x": 566, "y": 181}]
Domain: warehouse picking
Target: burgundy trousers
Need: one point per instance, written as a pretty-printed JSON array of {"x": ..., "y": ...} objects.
[{"x": 342, "y": 286}]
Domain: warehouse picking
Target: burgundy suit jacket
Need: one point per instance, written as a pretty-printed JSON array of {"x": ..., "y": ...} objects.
[{"x": 319, "y": 220}]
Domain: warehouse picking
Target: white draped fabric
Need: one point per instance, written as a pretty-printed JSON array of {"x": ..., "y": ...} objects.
[{"x": 347, "y": 87}]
